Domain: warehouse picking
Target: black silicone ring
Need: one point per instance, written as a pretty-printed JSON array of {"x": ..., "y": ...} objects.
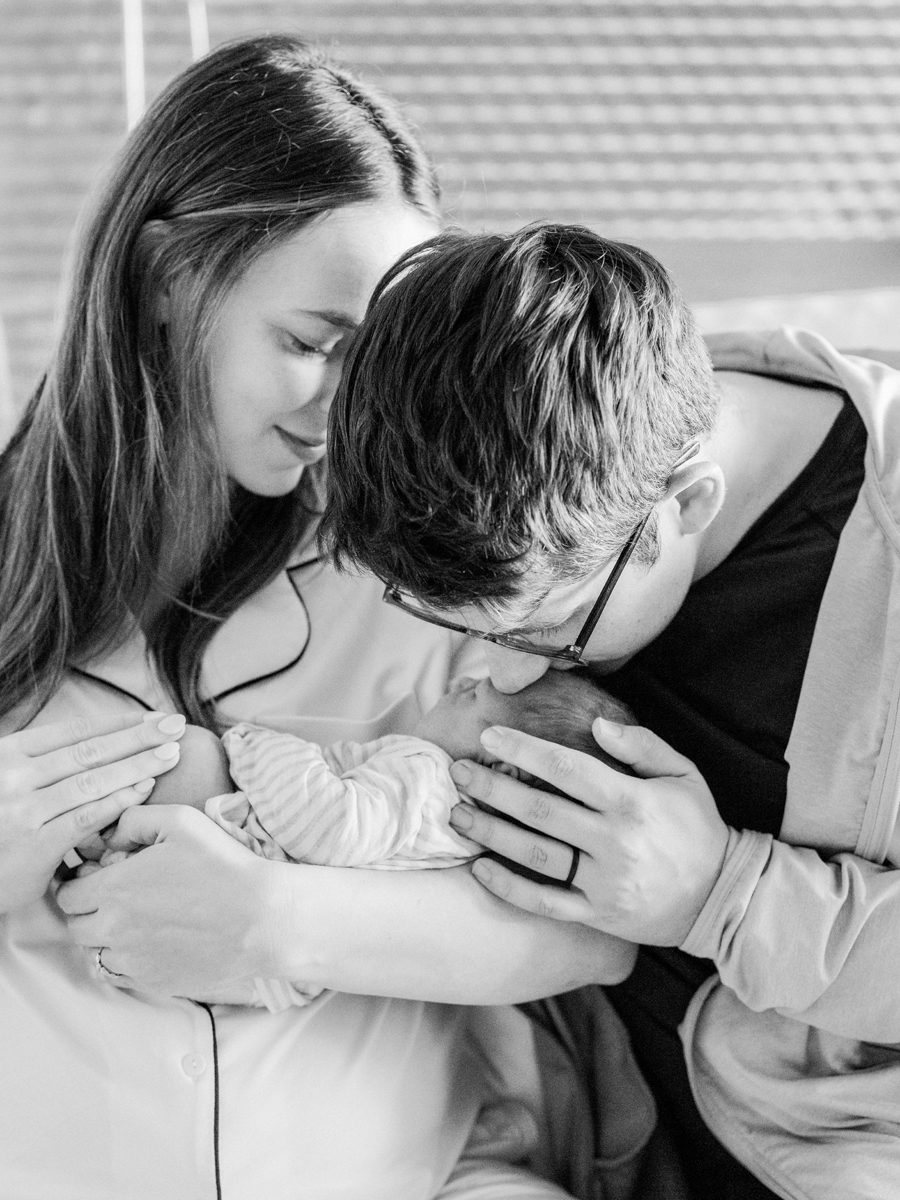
[{"x": 573, "y": 868}]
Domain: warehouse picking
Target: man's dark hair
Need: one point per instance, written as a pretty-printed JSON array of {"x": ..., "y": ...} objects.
[{"x": 513, "y": 405}]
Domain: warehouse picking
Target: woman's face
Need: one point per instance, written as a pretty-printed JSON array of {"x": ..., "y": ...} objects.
[{"x": 276, "y": 351}]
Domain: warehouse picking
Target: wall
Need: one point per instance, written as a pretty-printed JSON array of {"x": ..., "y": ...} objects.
[{"x": 754, "y": 147}]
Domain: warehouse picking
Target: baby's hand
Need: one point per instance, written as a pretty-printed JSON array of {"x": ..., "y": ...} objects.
[
  {"x": 107, "y": 858},
  {"x": 201, "y": 772}
]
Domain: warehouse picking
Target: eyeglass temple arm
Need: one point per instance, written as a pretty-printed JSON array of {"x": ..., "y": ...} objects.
[
  {"x": 594, "y": 615},
  {"x": 621, "y": 563}
]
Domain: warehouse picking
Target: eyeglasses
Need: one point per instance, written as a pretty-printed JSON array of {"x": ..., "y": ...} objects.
[
  {"x": 574, "y": 652},
  {"x": 510, "y": 641}
]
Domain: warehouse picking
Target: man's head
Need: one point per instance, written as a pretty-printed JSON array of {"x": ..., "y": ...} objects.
[
  {"x": 513, "y": 407},
  {"x": 559, "y": 708}
]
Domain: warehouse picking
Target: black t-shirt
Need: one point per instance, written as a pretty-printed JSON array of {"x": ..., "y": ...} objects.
[{"x": 721, "y": 684}]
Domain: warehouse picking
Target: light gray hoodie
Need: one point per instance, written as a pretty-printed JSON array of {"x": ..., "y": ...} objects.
[{"x": 791, "y": 1048}]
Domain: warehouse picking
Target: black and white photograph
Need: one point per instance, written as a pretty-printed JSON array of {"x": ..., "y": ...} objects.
[{"x": 449, "y": 600}]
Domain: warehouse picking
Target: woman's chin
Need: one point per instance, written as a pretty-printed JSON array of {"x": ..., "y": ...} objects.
[{"x": 271, "y": 483}]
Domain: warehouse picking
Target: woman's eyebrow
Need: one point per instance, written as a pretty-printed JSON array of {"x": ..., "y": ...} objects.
[{"x": 332, "y": 316}]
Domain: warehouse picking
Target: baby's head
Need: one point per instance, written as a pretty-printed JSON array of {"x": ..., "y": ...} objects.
[{"x": 559, "y": 707}]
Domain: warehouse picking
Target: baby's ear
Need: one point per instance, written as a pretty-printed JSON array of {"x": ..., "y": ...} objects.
[
  {"x": 503, "y": 768},
  {"x": 512, "y": 772}
]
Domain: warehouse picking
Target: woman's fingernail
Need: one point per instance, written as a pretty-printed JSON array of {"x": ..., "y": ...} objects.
[
  {"x": 460, "y": 774},
  {"x": 167, "y": 751},
  {"x": 172, "y": 724},
  {"x": 461, "y": 817},
  {"x": 492, "y": 737},
  {"x": 144, "y": 785}
]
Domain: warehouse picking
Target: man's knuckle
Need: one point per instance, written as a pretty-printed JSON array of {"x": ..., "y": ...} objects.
[
  {"x": 539, "y": 809},
  {"x": 628, "y": 807},
  {"x": 562, "y": 764},
  {"x": 537, "y": 856},
  {"x": 643, "y": 740}
]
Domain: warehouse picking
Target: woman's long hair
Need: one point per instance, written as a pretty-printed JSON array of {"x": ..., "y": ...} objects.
[{"x": 113, "y": 474}]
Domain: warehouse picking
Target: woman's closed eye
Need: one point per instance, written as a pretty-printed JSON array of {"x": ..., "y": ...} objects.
[{"x": 298, "y": 346}]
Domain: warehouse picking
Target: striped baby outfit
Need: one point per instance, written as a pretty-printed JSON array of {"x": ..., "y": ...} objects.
[{"x": 383, "y": 804}]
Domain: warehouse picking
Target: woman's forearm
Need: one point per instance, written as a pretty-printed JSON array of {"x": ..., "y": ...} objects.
[
  {"x": 194, "y": 911},
  {"x": 430, "y": 934}
]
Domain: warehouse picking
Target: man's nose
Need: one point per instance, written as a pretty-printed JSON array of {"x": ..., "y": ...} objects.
[{"x": 511, "y": 670}]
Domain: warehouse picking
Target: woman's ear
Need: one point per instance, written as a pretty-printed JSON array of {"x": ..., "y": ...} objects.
[
  {"x": 699, "y": 490},
  {"x": 153, "y": 242}
]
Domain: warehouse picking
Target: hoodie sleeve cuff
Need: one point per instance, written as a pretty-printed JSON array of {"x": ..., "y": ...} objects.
[{"x": 745, "y": 860}]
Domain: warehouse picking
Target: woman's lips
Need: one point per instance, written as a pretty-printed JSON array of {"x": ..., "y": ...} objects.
[{"x": 304, "y": 450}]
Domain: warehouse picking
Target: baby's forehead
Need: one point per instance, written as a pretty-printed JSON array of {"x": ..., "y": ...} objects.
[
  {"x": 512, "y": 703},
  {"x": 547, "y": 696}
]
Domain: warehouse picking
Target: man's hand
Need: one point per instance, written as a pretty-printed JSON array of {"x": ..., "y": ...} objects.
[{"x": 651, "y": 846}]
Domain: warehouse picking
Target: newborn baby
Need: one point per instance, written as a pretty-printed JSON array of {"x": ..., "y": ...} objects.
[{"x": 382, "y": 804}]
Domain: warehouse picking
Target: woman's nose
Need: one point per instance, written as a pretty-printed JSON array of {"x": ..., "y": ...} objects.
[
  {"x": 329, "y": 386},
  {"x": 317, "y": 403},
  {"x": 511, "y": 670}
]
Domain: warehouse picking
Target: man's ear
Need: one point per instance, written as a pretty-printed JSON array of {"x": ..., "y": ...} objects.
[{"x": 699, "y": 490}]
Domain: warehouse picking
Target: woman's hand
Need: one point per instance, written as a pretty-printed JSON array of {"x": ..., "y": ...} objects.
[
  {"x": 651, "y": 846},
  {"x": 61, "y": 784},
  {"x": 180, "y": 916},
  {"x": 195, "y": 911}
]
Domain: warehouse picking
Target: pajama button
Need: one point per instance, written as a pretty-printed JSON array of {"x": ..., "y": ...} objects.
[{"x": 193, "y": 1065}]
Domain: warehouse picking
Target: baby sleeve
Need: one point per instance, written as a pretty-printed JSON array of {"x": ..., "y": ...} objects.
[{"x": 382, "y": 804}]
